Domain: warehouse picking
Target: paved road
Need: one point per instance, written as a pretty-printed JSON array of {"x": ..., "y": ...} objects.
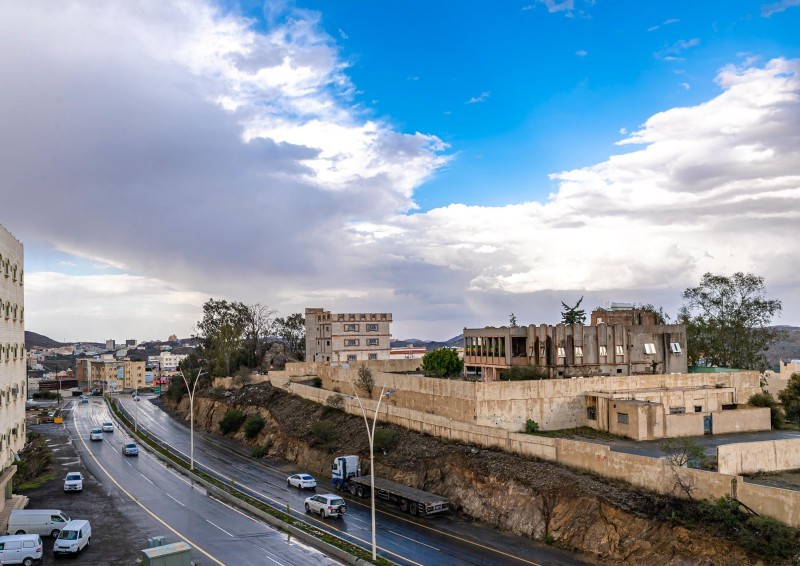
[
  {"x": 447, "y": 539},
  {"x": 219, "y": 534}
]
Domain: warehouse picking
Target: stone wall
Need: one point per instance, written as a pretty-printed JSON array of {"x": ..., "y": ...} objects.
[
  {"x": 755, "y": 457},
  {"x": 743, "y": 419}
]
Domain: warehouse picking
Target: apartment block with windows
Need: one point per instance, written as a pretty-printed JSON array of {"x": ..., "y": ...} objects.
[
  {"x": 632, "y": 344},
  {"x": 108, "y": 374},
  {"x": 13, "y": 374},
  {"x": 347, "y": 337}
]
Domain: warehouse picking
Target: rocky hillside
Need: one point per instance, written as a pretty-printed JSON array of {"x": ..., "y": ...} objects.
[{"x": 607, "y": 520}]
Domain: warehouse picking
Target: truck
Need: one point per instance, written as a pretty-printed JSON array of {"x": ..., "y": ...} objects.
[{"x": 346, "y": 475}]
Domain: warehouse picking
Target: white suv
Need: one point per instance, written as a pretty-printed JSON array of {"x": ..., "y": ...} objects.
[
  {"x": 327, "y": 505},
  {"x": 73, "y": 481}
]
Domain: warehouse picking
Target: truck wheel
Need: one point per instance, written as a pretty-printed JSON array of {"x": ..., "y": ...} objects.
[
  {"x": 360, "y": 491},
  {"x": 413, "y": 509},
  {"x": 404, "y": 506},
  {"x": 352, "y": 490}
]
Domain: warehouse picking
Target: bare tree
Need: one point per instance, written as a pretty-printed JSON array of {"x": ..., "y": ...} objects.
[
  {"x": 680, "y": 453},
  {"x": 365, "y": 381}
]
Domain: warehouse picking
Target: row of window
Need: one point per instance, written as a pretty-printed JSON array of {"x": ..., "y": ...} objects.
[
  {"x": 354, "y": 357},
  {"x": 355, "y": 327},
  {"x": 12, "y": 351},
  {"x": 649, "y": 348},
  {"x": 10, "y": 269},
  {"x": 12, "y": 311},
  {"x": 356, "y": 342}
]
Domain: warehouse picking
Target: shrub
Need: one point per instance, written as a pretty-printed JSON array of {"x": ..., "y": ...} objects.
[
  {"x": 243, "y": 376},
  {"x": 549, "y": 539},
  {"x": 523, "y": 373},
  {"x": 316, "y": 382},
  {"x": 259, "y": 451},
  {"x": 443, "y": 362},
  {"x": 767, "y": 400},
  {"x": 217, "y": 392},
  {"x": 385, "y": 439},
  {"x": 253, "y": 425},
  {"x": 335, "y": 401},
  {"x": 325, "y": 434},
  {"x": 365, "y": 381},
  {"x": 232, "y": 421},
  {"x": 531, "y": 426}
]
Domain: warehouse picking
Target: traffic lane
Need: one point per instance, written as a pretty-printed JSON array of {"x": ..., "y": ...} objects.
[
  {"x": 428, "y": 538},
  {"x": 225, "y": 533}
]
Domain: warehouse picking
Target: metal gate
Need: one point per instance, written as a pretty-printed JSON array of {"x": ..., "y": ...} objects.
[{"x": 707, "y": 424}]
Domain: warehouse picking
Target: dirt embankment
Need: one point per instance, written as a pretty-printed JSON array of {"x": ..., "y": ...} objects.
[{"x": 531, "y": 498}]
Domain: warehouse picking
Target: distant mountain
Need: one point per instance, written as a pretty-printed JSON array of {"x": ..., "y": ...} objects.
[
  {"x": 454, "y": 342},
  {"x": 33, "y": 340},
  {"x": 786, "y": 349}
]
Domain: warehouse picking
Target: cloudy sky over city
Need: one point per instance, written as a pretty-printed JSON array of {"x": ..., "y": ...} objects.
[{"x": 450, "y": 163}]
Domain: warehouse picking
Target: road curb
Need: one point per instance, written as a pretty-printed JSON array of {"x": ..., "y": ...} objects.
[{"x": 299, "y": 534}]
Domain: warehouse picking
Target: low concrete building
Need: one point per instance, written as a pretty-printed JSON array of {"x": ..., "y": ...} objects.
[
  {"x": 108, "y": 374},
  {"x": 347, "y": 337},
  {"x": 624, "y": 347}
]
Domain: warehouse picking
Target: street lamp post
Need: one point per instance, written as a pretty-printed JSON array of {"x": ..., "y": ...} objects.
[
  {"x": 190, "y": 390},
  {"x": 136, "y": 411},
  {"x": 371, "y": 437}
]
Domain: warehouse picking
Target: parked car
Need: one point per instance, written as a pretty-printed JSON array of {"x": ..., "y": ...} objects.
[
  {"x": 130, "y": 449},
  {"x": 74, "y": 537},
  {"x": 96, "y": 434},
  {"x": 73, "y": 481},
  {"x": 36, "y": 521},
  {"x": 301, "y": 481},
  {"x": 20, "y": 549},
  {"x": 108, "y": 427},
  {"x": 327, "y": 505},
  {"x": 84, "y": 399}
]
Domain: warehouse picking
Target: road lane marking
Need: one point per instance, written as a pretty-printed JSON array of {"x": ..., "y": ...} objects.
[
  {"x": 413, "y": 540},
  {"x": 271, "y": 558},
  {"x": 178, "y": 502},
  {"x": 216, "y": 525},
  {"x": 146, "y": 478},
  {"x": 140, "y": 504}
]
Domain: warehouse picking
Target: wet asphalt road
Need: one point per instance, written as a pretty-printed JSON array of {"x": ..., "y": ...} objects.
[{"x": 448, "y": 539}]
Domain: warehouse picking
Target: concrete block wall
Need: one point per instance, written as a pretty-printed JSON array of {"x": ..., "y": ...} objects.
[{"x": 755, "y": 457}]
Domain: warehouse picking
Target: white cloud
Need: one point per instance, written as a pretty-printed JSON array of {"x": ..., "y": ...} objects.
[
  {"x": 671, "y": 52},
  {"x": 773, "y": 8},
  {"x": 686, "y": 86},
  {"x": 581, "y": 53},
  {"x": 484, "y": 96},
  {"x": 558, "y": 5}
]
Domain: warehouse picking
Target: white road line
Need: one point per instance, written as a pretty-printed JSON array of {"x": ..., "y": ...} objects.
[
  {"x": 413, "y": 540},
  {"x": 220, "y": 528},
  {"x": 181, "y": 504},
  {"x": 146, "y": 478},
  {"x": 271, "y": 558}
]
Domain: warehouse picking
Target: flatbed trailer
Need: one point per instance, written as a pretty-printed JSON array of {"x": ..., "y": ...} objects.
[{"x": 410, "y": 500}]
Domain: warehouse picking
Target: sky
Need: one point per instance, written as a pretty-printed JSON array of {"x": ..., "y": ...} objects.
[{"x": 450, "y": 163}]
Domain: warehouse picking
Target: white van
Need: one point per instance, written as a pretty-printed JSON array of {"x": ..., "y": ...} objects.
[
  {"x": 20, "y": 549},
  {"x": 46, "y": 522},
  {"x": 74, "y": 537}
]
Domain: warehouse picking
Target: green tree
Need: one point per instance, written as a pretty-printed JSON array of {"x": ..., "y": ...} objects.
[
  {"x": 257, "y": 327},
  {"x": 573, "y": 315},
  {"x": 292, "y": 330},
  {"x": 365, "y": 381},
  {"x": 232, "y": 421},
  {"x": 767, "y": 400},
  {"x": 221, "y": 333},
  {"x": 253, "y": 425},
  {"x": 443, "y": 362},
  {"x": 727, "y": 321},
  {"x": 790, "y": 397},
  {"x": 682, "y": 451}
]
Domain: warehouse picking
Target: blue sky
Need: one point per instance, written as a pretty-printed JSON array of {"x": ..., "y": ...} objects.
[{"x": 446, "y": 162}]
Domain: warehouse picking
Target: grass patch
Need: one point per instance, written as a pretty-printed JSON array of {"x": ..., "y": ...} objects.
[
  {"x": 357, "y": 551},
  {"x": 34, "y": 483}
]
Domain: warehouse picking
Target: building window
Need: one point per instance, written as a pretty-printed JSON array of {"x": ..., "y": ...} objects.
[
  {"x": 327, "y": 342},
  {"x": 698, "y": 409},
  {"x": 620, "y": 351},
  {"x": 372, "y": 328},
  {"x": 578, "y": 352},
  {"x": 351, "y": 357},
  {"x": 351, "y": 342},
  {"x": 622, "y": 418},
  {"x": 351, "y": 328},
  {"x": 373, "y": 356},
  {"x": 562, "y": 353},
  {"x": 649, "y": 348},
  {"x": 599, "y": 320},
  {"x": 603, "y": 351},
  {"x": 591, "y": 413},
  {"x": 676, "y": 410},
  {"x": 372, "y": 342},
  {"x": 674, "y": 347}
]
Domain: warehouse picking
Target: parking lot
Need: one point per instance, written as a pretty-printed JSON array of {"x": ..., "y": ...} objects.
[{"x": 119, "y": 528}]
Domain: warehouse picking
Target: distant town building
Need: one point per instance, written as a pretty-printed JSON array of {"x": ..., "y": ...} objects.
[
  {"x": 13, "y": 372},
  {"x": 409, "y": 353},
  {"x": 111, "y": 344},
  {"x": 168, "y": 361},
  {"x": 347, "y": 337},
  {"x": 108, "y": 374},
  {"x": 130, "y": 343},
  {"x": 632, "y": 344}
]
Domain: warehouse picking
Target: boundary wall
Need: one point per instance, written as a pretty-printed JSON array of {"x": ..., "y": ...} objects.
[
  {"x": 754, "y": 457},
  {"x": 653, "y": 474}
]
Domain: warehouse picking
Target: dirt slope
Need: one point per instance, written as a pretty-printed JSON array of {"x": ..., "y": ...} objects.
[{"x": 528, "y": 497}]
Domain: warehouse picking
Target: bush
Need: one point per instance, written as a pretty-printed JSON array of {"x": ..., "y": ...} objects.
[
  {"x": 243, "y": 376},
  {"x": 253, "y": 425},
  {"x": 232, "y": 421},
  {"x": 385, "y": 439},
  {"x": 523, "y": 373},
  {"x": 217, "y": 393},
  {"x": 316, "y": 382},
  {"x": 767, "y": 400},
  {"x": 443, "y": 362},
  {"x": 531, "y": 426},
  {"x": 335, "y": 401},
  {"x": 325, "y": 434}
]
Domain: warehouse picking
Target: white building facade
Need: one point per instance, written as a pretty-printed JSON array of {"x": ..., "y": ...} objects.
[
  {"x": 13, "y": 382},
  {"x": 347, "y": 337}
]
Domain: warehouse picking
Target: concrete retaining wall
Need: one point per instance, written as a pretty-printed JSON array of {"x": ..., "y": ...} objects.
[{"x": 754, "y": 457}]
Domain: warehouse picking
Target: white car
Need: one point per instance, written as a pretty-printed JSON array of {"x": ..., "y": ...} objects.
[
  {"x": 73, "y": 481},
  {"x": 96, "y": 434},
  {"x": 327, "y": 505},
  {"x": 108, "y": 427},
  {"x": 301, "y": 481},
  {"x": 130, "y": 449}
]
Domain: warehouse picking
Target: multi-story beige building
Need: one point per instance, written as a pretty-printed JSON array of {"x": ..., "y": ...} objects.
[
  {"x": 13, "y": 372},
  {"x": 632, "y": 344},
  {"x": 347, "y": 338},
  {"x": 108, "y": 374}
]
